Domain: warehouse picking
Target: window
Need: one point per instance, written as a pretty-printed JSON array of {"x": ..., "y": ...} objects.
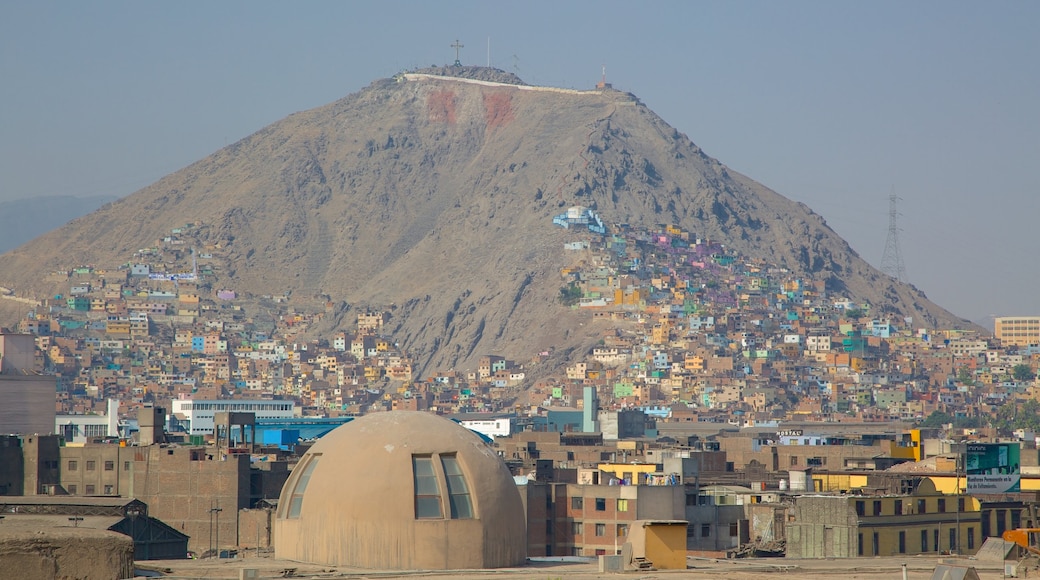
[
  {"x": 899, "y": 508},
  {"x": 576, "y": 528},
  {"x": 73, "y": 489},
  {"x": 733, "y": 529},
  {"x": 90, "y": 490},
  {"x": 960, "y": 504},
  {"x": 73, "y": 465},
  {"x": 794, "y": 460},
  {"x": 622, "y": 505},
  {"x": 902, "y": 542},
  {"x": 110, "y": 465},
  {"x": 971, "y": 538},
  {"x": 458, "y": 491},
  {"x": 300, "y": 485},
  {"x": 877, "y": 544},
  {"x": 576, "y": 503},
  {"x": 601, "y": 504},
  {"x": 91, "y": 465},
  {"x": 427, "y": 491},
  {"x": 622, "y": 530},
  {"x": 860, "y": 545},
  {"x": 941, "y": 507},
  {"x": 953, "y": 539},
  {"x": 877, "y": 508},
  {"x": 705, "y": 530},
  {"x": 108, "y": 490},
  {"x": 924, "y": 540},
  {"x": 935, "y": 538},
  {"x": 861, "y": 509},
  {"x": 601, "y": 529},
  {"x": 922, "y": 507}
]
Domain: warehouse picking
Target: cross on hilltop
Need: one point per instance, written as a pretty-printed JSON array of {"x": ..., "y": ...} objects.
[{"x": 457, "y": 45}]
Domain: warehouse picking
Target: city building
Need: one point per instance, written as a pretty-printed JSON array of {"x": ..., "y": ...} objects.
[
  {"x": 199, "y": 413},
  {"x": 81, "y": 428},
  {"x": 846, "y": 526},
  {"x": 1017, "y": 330}
]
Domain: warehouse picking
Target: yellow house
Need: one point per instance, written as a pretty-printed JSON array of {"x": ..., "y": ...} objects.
[
  {"x": 661, "y": 542},
  {"x": 628, "y": 471},
  {"x": 908, "y": 447}
]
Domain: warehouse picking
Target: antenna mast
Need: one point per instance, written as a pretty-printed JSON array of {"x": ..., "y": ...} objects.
[{"x": 892, "y": 258}]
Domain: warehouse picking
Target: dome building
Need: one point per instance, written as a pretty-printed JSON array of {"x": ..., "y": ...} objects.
[{"x": 401, "y": 490}]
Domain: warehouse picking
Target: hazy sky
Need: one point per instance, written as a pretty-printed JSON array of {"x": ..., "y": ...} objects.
[{"x": 835, "y": 104}]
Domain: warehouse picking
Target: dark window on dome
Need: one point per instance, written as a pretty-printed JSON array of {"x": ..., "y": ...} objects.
[
  {"x": 458, "y": 491},
  {"x": 427, "y": 491},
  {"x": 300, "y": 486}
]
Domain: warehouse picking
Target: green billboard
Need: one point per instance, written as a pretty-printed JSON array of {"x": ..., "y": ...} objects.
[{"x": 992, "y": 467}]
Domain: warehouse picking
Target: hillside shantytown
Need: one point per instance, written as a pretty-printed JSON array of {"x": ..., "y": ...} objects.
[{"x": 756, "y": 406}]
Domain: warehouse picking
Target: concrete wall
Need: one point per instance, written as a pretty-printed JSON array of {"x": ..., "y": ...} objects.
[
  {"x": 27, "y": 404},
  {"x": 823, "y": 527},
  {"x": 98, "y": 469},
  {"x": 41, "y": 459},
  {"x": 182, "y": 484},
  {"x": 718, "y": 521},
  {"x": 17, "y": 353},
  {"x": 766, "y": 522},
  {"x": 255, "y": 528},
  {"x": 12, "y": 467}
]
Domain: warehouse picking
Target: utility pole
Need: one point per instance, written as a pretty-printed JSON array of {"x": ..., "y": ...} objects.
[{"x": 215, "y": 512}]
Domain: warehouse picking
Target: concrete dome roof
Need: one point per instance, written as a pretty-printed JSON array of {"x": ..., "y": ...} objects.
[{"x": 401, "y": 490}]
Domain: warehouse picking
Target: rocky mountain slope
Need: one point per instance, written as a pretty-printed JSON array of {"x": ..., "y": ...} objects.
[{"x": 436, "y": 194}]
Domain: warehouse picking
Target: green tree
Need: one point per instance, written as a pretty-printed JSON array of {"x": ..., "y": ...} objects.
[
  {"x": 937, "y": 419},
  {"x": 965, "y": 377},
  {"x": 1023, "y": 373},
  {"x": 570, "y": 294}
]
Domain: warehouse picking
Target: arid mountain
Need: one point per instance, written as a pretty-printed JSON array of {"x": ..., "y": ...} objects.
[{"x": 436, "y": 194}]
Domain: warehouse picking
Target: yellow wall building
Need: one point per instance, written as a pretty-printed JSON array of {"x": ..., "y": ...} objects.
[
  {"x": 1017, "y": 330},
  {"x": 845, "y": 526}
]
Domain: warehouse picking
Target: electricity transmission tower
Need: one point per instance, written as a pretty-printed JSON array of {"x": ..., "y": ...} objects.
[{"x": 892, "y": 258}]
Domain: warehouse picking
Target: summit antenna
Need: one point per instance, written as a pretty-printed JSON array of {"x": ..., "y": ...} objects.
[{"x": 457, "y": 46}]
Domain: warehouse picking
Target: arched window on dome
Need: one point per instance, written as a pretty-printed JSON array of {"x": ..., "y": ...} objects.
[
  {"x": 292, "y": 511},
  {"x": 428, "y": 472},
  {"x": 458, "y": 491},
  {"x": 427, "y": 490}
]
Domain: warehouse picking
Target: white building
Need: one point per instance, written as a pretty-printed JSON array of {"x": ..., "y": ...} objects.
[
  {"x": 500, "y": 427},
  {"x": 80, "y": 428},
  {"x": 199, "y": 413}
]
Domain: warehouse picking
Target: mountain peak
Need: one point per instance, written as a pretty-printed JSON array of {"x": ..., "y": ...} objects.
[{"x": 439, "y": 198}]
